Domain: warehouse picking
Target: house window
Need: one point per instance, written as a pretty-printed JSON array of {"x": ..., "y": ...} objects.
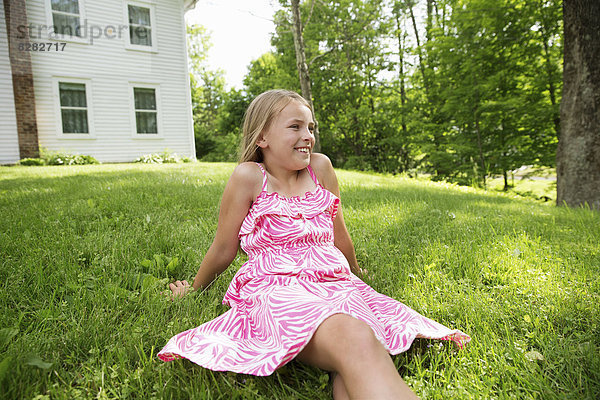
[
  {"x": 73, "y": 107},
  {"x": 140, "y": 26},
  {"x": 146, "y": 113},
  {"x": 66, "y": 18}
]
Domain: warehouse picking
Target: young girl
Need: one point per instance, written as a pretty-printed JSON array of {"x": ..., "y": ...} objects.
[{"x": 298, "y": 295}]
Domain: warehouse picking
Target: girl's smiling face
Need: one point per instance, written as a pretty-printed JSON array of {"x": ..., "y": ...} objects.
[{"x": 289, "y": 139}]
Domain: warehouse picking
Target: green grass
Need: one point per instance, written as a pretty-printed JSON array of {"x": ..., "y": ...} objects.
[{"x": 85, "y": 251}]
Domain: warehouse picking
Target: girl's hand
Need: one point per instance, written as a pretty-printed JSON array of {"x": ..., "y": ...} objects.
[
  {"x": 364, "y": 274},
  {"x": 180, "y": 288}
]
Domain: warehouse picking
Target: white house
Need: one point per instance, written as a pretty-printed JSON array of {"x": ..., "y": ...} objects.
[{"x": 107, "y": 78}]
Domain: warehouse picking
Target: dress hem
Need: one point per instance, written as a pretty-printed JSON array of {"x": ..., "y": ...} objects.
[{"x": 451, "y": 335}]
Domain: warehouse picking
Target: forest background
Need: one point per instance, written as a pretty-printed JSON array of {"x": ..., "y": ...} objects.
[{"x": 460, "y": 90}]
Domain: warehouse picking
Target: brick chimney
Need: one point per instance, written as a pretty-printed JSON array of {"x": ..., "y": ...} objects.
[{"x": 15, "y": 13}]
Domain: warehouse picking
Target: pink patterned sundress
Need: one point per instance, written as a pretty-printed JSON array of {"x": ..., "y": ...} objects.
[{"x": 293, "y": 280}]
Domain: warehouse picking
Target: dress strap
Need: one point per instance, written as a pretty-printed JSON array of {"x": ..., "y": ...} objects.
[
  {"x": 264, "y": 185},
  {"x": 312, "y": 175}
]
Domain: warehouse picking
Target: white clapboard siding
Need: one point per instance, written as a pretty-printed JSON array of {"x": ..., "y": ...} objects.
[
  {"x": 9, "y": 141},
  {"x": 110, "y": 68}
]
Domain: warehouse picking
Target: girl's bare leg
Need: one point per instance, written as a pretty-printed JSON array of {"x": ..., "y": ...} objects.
[
  {"x": 339, "y": 388},
  {"x": 365, "y": 370}
]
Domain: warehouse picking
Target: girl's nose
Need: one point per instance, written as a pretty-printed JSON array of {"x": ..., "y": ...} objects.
[{"x": 307, "y": 135}]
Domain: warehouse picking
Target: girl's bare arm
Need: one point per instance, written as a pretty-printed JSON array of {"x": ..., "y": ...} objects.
[
  {"x": 326, "y": 175},
  {"x": 235, "y": 203}
]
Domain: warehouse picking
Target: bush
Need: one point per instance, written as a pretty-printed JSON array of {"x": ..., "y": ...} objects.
[
  {"x": 165, "y": 157},
  {"x": 225, "y": 148},
  {"x": 70, "y": 159},
  {"x": 57, "y": 158},
  {"x": 32, "y": 161},
  {"x": 357, "y": 163}
]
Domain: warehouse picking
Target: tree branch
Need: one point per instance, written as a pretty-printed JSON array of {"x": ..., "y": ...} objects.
[{"x": 312, "y": 7}]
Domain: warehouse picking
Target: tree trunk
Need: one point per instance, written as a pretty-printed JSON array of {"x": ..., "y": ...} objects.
[
  {"x": 578, "y": 154},
  {"x": 302, "y": 66},
  {"x": 478, "y": 130},
  {"x": 551, "y": 90},
  {"x": 480, "y": 148},
  {"x": 429, "y": 20},
  {"x": 419, "y": 51},
  {"x": 400, "y": 35}
]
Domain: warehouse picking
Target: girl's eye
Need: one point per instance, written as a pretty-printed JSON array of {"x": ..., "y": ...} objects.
[{"x": 294, "y": 126}]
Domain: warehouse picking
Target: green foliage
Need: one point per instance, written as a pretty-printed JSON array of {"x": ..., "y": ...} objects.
[
  {"x": 32, "y": 161},
  {"x": 229, "y": 123},
  {"x": 266, "y": 73},
  {"x": 476, "y": 96},
  {"x": 62, "y": 158},
  {"x": 86, "y": 251},
  {"x": 356, "y": 163},
  {"x": 166, "y": 157},
  {"x": 198, "y": 45},
  {"x": 217, "y": 112},
  {"x": 484, "y": 94},
  {"x": 345, "y": 51}
]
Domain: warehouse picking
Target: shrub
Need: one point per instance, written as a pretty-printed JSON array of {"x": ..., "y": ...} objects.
[
  {"x": 165, "y": 157},
  {"x": 70, "y": 159},
  {"x": 32, "y": 161},
  {"x": 225, "y": 148},
  {"x": 58, "y": 158},
  {"x": 357, "y": 163},
  {"x": 154, "y": 158}
]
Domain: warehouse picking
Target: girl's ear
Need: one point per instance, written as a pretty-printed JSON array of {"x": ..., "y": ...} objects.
[{"x": 261, "y": 141}]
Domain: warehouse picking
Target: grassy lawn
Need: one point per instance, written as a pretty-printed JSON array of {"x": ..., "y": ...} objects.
[{"x": 85, "y": 251}]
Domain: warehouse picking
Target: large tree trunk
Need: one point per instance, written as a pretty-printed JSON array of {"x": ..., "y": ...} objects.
[
  {"x": 578, "y": 154},
  {"x": 301, "y": 64}
]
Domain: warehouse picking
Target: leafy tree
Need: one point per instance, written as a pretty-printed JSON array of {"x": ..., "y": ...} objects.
[
  {"x": 302, "y": 67},
  {"x": 208, "y": 91},
  {"x": 343, "y": 46},
  {"x": 266, "y": 73},
  {"x": 229, "y": 126},
  {"x": 469, "y": 90},
  {"x": 482, "y": 97}
]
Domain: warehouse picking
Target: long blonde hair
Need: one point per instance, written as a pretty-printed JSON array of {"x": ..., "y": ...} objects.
[{"x": 259, "y": 116}]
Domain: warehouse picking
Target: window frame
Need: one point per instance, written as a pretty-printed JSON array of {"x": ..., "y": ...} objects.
[
  {"x": 56, "y": 80},
  {"x": 51, "y": 35},
  {"x": 159, "y": 126},
  {"x": 153, "y": 26}
]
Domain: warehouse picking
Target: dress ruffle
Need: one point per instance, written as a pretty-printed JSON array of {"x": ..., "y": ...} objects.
[{"x": 308, "y": 206}]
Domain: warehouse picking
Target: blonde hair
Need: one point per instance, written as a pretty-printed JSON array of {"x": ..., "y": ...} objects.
[{"x": 259, "y": 116}]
